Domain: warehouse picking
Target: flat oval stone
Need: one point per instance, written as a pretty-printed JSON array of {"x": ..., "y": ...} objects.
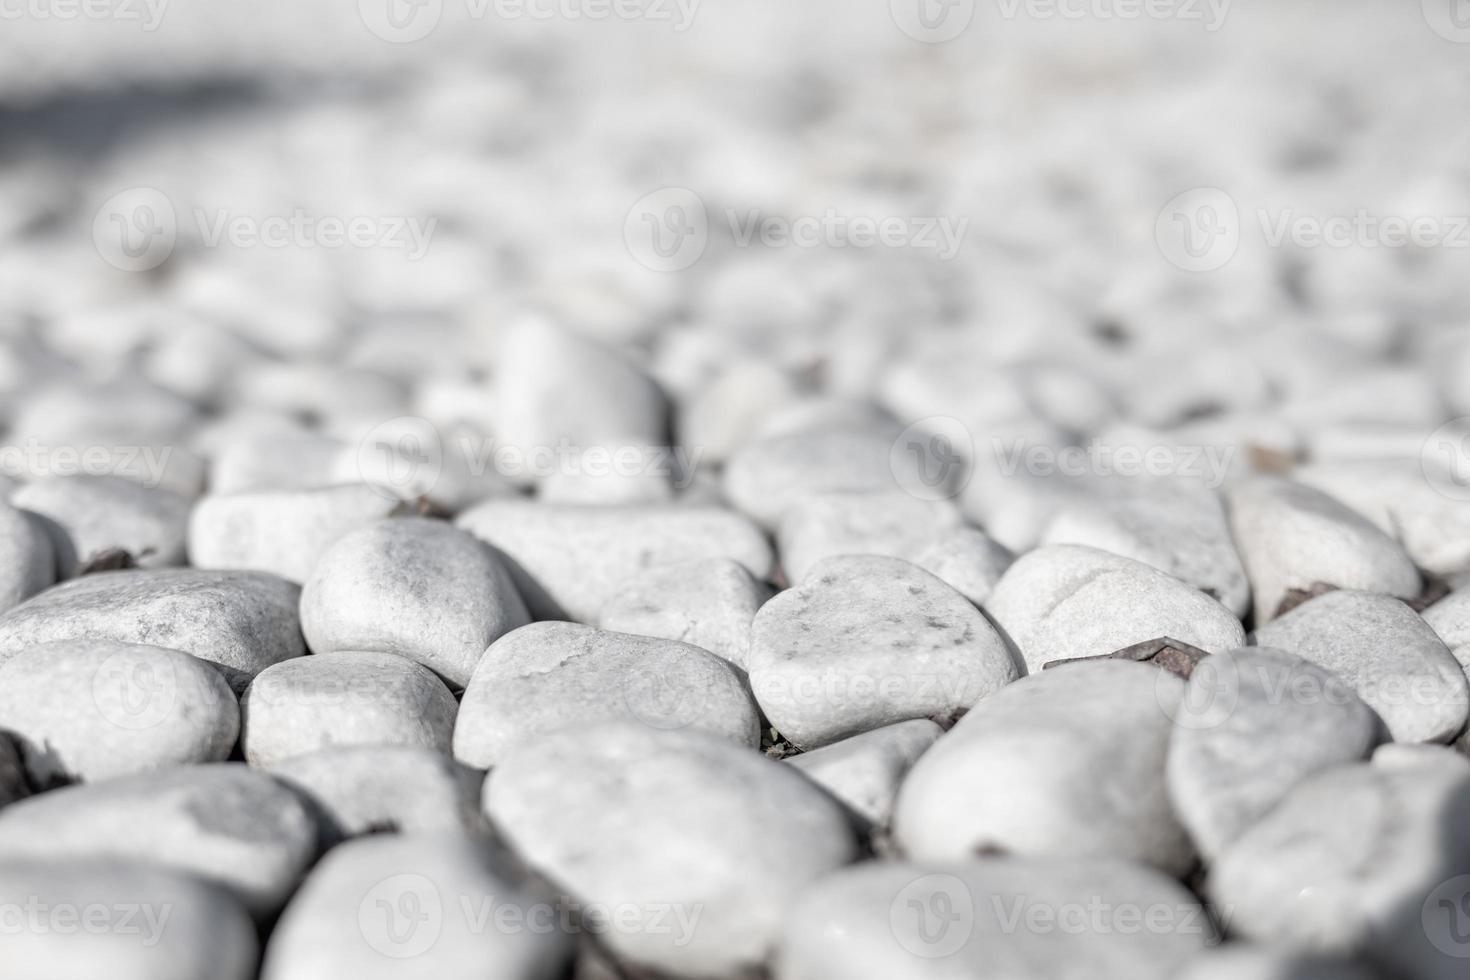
[
  {"x": 713, "y": 839},
  {"x": 365, "y": 789},
  {"x": 569, "y": 561},
  {"x": 967, "y": 560},
  {"x": 1254, "y": 723},
  {"x": 1389, "y": 655},
  {"x": 415, "y": 587},
  {"x": 1020, "y": 773},
  {"x": 867, "y": 641},
  {"x": 1178, "y": 530},
  {"x": 823, "y": 525},
  {"x": 241, "y": 622},
  {"x": 709, "y": 602},
  {"x": 86, "y": 710},
  {"x": 344, "y": 698},
  {"x": 422, "y": 905},
  {"x": 283, "y": 532},
  {"x": 123, "y": 921},
  {"x": 1353, "y": 861},
  {"x": 1292, "y": 536},
  {"x": 1062, "y": 602},
  {"x": 865, "y": 771},
  {"x": 30, "y": 558},
  {"x": 550, "y": 677},
  {"x": 993, "y": 919},
  {"x": 89, "y": 515},
  {"x": 220, "y": 821}
]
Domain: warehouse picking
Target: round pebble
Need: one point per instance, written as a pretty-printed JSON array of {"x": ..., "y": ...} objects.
[
  {"x": 30, "y": 559},
  {"x": 865, "y": 771},
  {"x": 88, "y": 516}
]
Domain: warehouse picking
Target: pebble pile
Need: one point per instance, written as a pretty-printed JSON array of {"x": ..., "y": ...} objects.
[{"x": 542, "y": 606}]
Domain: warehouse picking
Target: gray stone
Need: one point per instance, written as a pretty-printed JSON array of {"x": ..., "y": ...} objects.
[
  {"x": 1062, "y": 602},
  {"x": 415, "y": 587},
  {"x": 13, "y": 783},
  {"x": 341, "y": 699},
  {"x": 242, "y": 622},
  {"x": 550, "y": 677},
  {"x": 88, "y": 515},
  {"x": 1242, "y": 961},
  {"x": 421, "y": 906},
  {"x": 823, "y": 525},
  {"x": 122, "y": 921},
  {"x": 867, "y": 641},
  {"x": 1356, "y": 861},
  {"x": 86, "y": 710},
  {"x": 1292, "y": 536},
  {"x": 1021, "y": 773},
  {"x": 221, "y": 821},
  {"x": 30, "y": 559},
  {"x": 994, "y": 919},
  {"x": 1178, "y": 530},
  {"x": 865, "y": 771},
  {"x": 709, "y": 602},
  {"x": 1387, "y": 653},
  {"x": 714, "y": 839},
  {"x": 1450, "y": 619},
  {"x": 274, "y": 462},
  {"x": 568, "y": 561},
  {"x": 968, "y": 560},
  {"x": 283, "y": 532},
  {"x": 1254, "y": 723},
  {"x": 364, "y": 789}
]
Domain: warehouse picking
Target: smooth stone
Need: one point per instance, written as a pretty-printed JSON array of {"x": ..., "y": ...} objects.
[
  {"x": 611, "y": 476},
  {"x": 87, "y": 710},
  {"x": 221, "y": 821},
  {"x": 709, "y": 602},
  {"x": 966, "y": 559},
  {"x": 242, "y": 622},
  {"x": 1020, "y": 772},
  {"x": 1291, "y": 536},
  {"x": 13, "y": 784},
  {"x": 410, "y": 458},
  {"x": 283, "y": 532},
  {"x": 865, "y": 771},
  {"x": 714, "y": 839},
  {"x": 866, "y": 641},
  {"x": 1450, "y": 619},
  {"x": 1178, "y": 530},
  {"x": 1244, "y": 961},
  {"x": 823, "y": 525},
  {"x": 89, "y": 515},
  {"x": 724, "y": 412},
  {"x": 551, "y": 677},
  {"x": 121, "y": 921},
  {"x": 415, "y": 587},
  {"x": 1065, "y": 601},
  {"x": 554, "y": 387},
  {"x": 1254, "y": 723},
  {"x": 993, "y": 919},
  {"x": 341, "y": 699},
  {"x": 365, "y": 789},
  {"x": 1387, "y": 653},
  {"x": 411, "y": 906},
  {"x": 30, "y": 557},
  {"x": 273, "y": 462},
  {"x": 766, "y": 477},
  {"x": 1352, "y": 860},
  {"x": 568, "y": 561}
]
